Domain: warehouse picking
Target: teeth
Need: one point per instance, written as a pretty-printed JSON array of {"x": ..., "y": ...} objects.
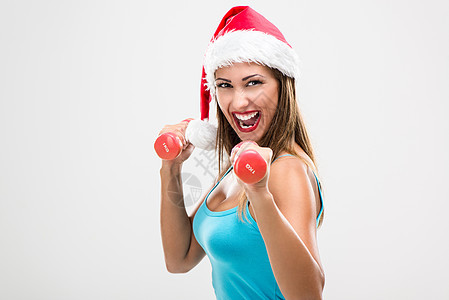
[
  {"x": 244, "y": 126},
  {"x": 243, "y": 117},
  {"x": 246, "y": 117}
]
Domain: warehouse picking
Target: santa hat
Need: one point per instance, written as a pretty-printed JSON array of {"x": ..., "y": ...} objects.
[{"x": 244, "y": 35}]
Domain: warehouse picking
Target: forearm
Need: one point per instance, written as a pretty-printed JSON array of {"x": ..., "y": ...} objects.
[
  {"x": 298, "y": 274},
  {"x": 175, "y": 223}
]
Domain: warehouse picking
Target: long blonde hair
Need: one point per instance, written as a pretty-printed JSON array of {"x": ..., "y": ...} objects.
[{"x": 287, "y": 123}]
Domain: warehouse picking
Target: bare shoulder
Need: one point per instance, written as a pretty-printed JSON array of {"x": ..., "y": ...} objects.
[
  {"x": 292, "y": 164},
  {"x": 288, "y": 168},
  {"x": 293, "y": 185}
]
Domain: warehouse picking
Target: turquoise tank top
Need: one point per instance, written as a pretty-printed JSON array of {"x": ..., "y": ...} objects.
[{"x": 240, "y": 265}]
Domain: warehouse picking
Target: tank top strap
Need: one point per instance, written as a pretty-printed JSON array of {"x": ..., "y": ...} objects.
[
  {"x": 216, "y": 184},
  {"x": 281, "y": 156},
  {"x": 321, "y": 200},
  {"x": 227, "y": 172}
]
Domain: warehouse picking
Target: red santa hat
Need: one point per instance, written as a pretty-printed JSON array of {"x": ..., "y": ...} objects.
[{"x": 244, "y": 35}]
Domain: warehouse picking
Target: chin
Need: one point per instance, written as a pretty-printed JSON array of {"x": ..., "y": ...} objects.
[{"x": 255, "y": 137}]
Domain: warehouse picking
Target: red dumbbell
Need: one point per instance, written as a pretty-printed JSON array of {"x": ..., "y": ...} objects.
[
  {"x": 250, "y": 166},
  {"x": 168, "y": 146}
]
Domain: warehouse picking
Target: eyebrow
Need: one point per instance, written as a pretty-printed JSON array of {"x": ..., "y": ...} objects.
[{"x": 243, "y": 79}]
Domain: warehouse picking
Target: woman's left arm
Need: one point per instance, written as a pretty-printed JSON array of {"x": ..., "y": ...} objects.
[{"x": 285, "y": 211}]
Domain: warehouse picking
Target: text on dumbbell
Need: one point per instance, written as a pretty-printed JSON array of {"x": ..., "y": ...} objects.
[{"x": 250, "y": 169}]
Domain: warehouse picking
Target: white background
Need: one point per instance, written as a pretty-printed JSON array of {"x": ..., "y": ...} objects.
[{"x": 85, "y": 86}]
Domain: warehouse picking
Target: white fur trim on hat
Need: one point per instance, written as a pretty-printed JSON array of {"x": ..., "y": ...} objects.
[{"x": 249, "y": 46}]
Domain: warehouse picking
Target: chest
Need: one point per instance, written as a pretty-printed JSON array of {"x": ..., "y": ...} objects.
[{"x": 226, "y": 195}]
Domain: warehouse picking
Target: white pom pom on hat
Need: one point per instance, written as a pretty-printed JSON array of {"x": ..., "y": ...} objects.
[
  {"x": 201, "y": 134},
  {"x": 244, "y": 35}
]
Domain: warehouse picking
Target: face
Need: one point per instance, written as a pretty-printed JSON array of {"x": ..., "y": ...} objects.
[{"x": 247, "y": 94}]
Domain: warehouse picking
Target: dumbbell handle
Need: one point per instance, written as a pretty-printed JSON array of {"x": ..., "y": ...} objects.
[{"x": 250, "y": 166}]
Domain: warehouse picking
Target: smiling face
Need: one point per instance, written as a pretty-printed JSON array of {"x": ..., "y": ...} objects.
[{"x": 247, "y": 94}]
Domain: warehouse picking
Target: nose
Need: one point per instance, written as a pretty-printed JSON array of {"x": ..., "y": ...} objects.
[{"x": 241, "y": 100}]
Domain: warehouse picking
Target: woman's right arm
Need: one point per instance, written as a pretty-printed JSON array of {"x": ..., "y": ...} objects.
[{"x": 181, "y": 250}]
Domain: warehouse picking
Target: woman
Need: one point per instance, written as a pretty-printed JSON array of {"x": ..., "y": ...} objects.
[{"x": 260, "y": 238}]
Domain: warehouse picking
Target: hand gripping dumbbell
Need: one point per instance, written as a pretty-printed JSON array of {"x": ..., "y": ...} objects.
[
  {"x": 200, "y": 133},
  {"x": 250, "y": 166}
]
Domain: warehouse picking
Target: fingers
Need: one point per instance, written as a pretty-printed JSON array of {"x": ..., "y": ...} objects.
[
  {"x": 179, "y": 130},
  {"x": 240, "y": 147},
  {"x": 187, "y": 120}
]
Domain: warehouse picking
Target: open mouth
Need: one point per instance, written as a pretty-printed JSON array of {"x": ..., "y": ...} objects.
[{"x": 247, "y": 121}]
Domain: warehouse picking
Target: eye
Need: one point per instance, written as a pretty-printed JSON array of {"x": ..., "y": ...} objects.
[
  {"x": 224, "y": 85},
  {"x": 254, "y": 82}
]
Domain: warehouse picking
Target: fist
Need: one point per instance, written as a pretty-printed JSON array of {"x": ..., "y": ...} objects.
[
  {"x": 251, "y": 163},
  {"x": 171, "y": 144}
]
